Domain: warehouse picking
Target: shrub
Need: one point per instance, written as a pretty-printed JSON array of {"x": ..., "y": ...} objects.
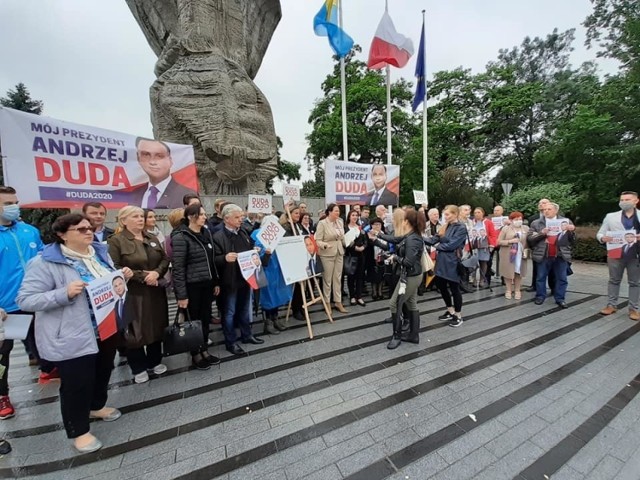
[{"x": 589, "y": 249}]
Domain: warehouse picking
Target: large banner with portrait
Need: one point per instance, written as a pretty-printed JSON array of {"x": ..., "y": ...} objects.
[
  {"x": 351, "y": 183},
  {"x": 57, "y": 164}
]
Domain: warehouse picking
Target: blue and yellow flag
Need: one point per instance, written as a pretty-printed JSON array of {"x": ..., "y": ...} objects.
[{"x": 325, "y": 24}]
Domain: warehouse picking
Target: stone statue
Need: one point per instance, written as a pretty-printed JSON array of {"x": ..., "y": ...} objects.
[{"x": 209, "y": 52}]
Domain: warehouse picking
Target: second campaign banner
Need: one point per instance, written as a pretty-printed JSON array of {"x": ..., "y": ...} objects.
[{"x": 352, "y": 183}]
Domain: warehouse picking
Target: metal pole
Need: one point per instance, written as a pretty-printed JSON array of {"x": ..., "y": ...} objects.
[
  {"x": 343, "y": 95},
  {"x": 388, "y": 115},
  {"x": 425, "y": 136}
]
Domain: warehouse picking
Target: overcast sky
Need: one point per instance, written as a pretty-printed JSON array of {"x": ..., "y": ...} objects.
[{"x": 90, "y": 63}]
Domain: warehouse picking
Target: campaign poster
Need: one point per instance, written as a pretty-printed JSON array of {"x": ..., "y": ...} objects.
[
  {"x": 294, "y": 264},
  {"x": 271, "y": 232},
  {"x": 290, "y": 193},
  {"x": 351, "y": 183},
  {"x": 251, "y": 268},
  {"x": 498, "y": 222},
  {"x": 622, "y": 241},
  {"x": 555, "y": 226},
  {"x": 108, "y": 296},
  {"x": 314, "y": 264},
  {"x": 58, "y": 164},
  {"x": 420, "y": 197}
]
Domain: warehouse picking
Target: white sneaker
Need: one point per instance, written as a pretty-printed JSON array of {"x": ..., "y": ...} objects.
[
  {"x": 141, "y": 377},
  {"x": 159, "y": 369}
]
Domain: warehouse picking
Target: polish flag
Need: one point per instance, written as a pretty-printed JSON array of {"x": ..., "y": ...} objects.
[{"x": 389, "y": 47}]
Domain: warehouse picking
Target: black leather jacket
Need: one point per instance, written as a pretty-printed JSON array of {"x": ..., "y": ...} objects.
[{"x": 409, "y": 253}]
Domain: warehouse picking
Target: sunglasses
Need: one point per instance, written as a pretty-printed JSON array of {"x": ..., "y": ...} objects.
[{"x": 83, "y": 230}]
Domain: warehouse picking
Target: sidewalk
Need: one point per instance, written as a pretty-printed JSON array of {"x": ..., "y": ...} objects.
[{"x": 519, "y": 391}]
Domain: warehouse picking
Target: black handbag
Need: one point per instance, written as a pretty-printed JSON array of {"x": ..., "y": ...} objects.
[
  {"x": 182, "y": 337},
  {"x": 349, "y": 265}
]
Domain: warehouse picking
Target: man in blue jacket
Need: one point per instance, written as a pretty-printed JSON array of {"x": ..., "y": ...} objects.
[{"x": 19, "y": 243}]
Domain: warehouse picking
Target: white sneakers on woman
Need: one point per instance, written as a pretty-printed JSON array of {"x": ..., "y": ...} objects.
[{"x": 143, "y": 377}]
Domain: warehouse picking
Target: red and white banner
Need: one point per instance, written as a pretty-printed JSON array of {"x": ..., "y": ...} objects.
[
  {"x": 57, "y": 164},
  {"x": 352, "y": 183}
]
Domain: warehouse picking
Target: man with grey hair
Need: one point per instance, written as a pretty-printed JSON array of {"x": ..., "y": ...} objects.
[
  {"x": 235, "y": 292},
  {"x": 551, "y": 253}
]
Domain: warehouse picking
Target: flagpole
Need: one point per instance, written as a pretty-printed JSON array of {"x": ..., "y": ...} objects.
[
  {"x": 386, "y": 9},
  {"x": 343, "y": 95},
  {"x": 425, "y": 136}
]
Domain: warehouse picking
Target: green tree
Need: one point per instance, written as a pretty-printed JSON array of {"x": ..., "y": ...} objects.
[
  {"x": 526, "y": 199},
  {"x": 366, "y": 120},
  {"x": 20, "y": 99}
]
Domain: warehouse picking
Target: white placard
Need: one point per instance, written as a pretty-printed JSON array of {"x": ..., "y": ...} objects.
[
  {"x": 294, "y": 263},
  {"x": 290, "y": 192},
  {"x": 16, "y": 327},
  {"x": 555, "y": 226},
  {"x": 271, "y": 232},
  {"x": 259, "y": 204},
  {"x": 420, "y": 197}
]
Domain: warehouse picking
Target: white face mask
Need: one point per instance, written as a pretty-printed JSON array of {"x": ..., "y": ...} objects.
[{"x": 517, "y": 223}]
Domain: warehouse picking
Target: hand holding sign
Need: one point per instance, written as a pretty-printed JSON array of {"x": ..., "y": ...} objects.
[{"x": 259, "y": 204}]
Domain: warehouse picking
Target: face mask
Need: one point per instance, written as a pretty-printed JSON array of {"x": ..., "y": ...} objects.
[
  {"x": 517, "y": 223},
  {"x": 10, "y": 213},
  {"x": 623, "y": 205}
]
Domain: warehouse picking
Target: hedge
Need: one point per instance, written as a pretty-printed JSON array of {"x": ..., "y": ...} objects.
[{"x": 589, "y": 249}]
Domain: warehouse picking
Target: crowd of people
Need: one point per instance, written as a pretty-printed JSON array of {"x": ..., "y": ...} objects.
[{"x": 394, "y": 255}]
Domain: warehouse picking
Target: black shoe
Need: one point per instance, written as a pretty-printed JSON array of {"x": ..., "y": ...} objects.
[
  {"x": 270, "y": 328},
  {"x": 446, "y": 316},
  {"x": 531, "y": 289},
  {"x": 456, "y": 322},
  {"x": 413, "y": 335},
  {"x": 299, "y": 316},
  {"x": 394, "y": 342},
  {"x": 236, "y": 350},
  {"x": 211, "y": 359},
  {"x": 538, "y": 301},
  {"x": 254, "y": 340},
  {"x": 388, "y": 320},
  {"x": 201, "y": 364},
  {"x": 562, "y": 304},
  {"x": 4, "y": 447}
]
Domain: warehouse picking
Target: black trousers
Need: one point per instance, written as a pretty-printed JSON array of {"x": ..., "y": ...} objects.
[
  {"x": 83, "y": 386},
  {"x": 355, "y": 282},
  {"x": 200, "y": 296},
  {"x": 5, "y": 351},
  {"x": 144, "y": 358},
  {"x": 450, "y": 290}
]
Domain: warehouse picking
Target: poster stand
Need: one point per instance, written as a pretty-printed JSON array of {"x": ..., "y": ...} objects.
[{"x": 315, "y": 295}]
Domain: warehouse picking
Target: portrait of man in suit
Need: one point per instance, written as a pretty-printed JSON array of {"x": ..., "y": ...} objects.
[
  {"x": 380, "y": 195},
  {"x": 258, "y": 278},
  {"x": 120, "y": 293},
  {"x": 314, "y": 265},
  {"x": 161, "y": 190}
]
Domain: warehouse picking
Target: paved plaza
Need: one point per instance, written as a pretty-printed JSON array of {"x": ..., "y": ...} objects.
[{"x": 518, "y": 392}]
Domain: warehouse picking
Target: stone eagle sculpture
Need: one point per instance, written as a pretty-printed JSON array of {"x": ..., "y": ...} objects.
[{"x": 209, "y": 52}]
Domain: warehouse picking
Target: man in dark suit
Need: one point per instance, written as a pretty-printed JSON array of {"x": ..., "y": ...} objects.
[
  {"x": 314, "y": 265},
  {"x": 258, "y": 278},
  {"x": 120, "y": 290},
  {"x": 380, "y": 194},
  {"x": 161, "y": 191},
  {"x": 97, "y": 214}
]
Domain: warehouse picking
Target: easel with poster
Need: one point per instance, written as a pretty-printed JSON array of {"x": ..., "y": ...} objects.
[{"x": 301, "y": 266}]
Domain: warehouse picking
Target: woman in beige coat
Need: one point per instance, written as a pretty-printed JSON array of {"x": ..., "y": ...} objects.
[
  {"x": 513, "y": 263},
  {"x": 330, "y": 240}
]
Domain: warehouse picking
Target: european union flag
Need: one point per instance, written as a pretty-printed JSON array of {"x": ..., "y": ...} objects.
[
  {"x": 421, "y": 75},
  {"x": 325, "y": 24}
]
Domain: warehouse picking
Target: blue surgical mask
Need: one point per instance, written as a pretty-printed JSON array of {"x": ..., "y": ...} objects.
[{"x": 10, "y": 213}]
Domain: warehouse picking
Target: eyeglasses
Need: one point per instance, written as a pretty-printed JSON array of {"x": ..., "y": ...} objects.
[{"x": 83, "y": 230}]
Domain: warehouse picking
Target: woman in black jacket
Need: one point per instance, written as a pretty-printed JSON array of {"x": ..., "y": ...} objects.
[
  {"x": 195, "y": 279},
  {"x": 410, "y": 248},
  {"x": 449, "y": 241},
  {"x": 354, "y": 252}
]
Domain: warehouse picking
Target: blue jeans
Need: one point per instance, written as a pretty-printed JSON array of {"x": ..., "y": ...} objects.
[
  {"x": 236, "y": 311},
  {"x": 559, "y": 267}
]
